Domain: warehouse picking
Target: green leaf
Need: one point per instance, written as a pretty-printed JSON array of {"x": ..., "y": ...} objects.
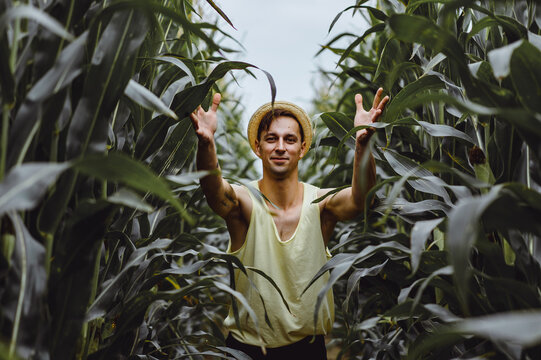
[
  {"x": 176, "y": 150},
  {"x": 190, "y": 98},
  {"x": 514, "y": 328},
  {"x": 407, "y": 96},
  {"x": 72, "y": 271},
  {"x": 397, "y": 71},
  {"x": 25, "y": 292},
  {"x": 152, "y": 137},
  {"x": 110, "y": 71},
  {"x": 418, "y": 29},
  {"x": 500, "y": 59},
  {"x": 526, "y": 75},
  {"x": 117, "y": 167},
  {"x": 128, "y": 198},
  {"x": 358, "y": 274},
  {"x": 106, "y": 295},
  {"x": 517, "y": 327},
  {"x": 340, "y": 125},
  {"x": 146, "y": 98},
  {"x": 222, "y": 14},
  {"x": 404, "y": 207},
  {"x": 24, "y": 186},
  {"x": 373, "y": 29},
  {"x": 419, "y": 234},
  {"x": 426, "y": 181},
  {"x": 64, "y": 70},
  {"x": 242, "y": 300},
  {"x": 7, "y": 80},
  {"x": 191, "y": 177},
  {"x": 378, "y": 14},
  {"x": 404, "y": 293},
  {"x": 171, "y": 12},
  {"x": 339, "y": 265},
  {"x": 440, "y": 130},
  {"x": 178, "y": 63},
  {"x": 37, "y": 15},
  {"x": 462, "y": 232}
]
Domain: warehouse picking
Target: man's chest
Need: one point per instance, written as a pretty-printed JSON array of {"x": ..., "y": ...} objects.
[{"x": 287, "y": 221}]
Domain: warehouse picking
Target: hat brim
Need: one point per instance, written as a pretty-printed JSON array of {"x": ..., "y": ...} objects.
[{"x": 299, "y": 113}]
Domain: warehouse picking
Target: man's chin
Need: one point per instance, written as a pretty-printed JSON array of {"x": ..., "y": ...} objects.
[{"x": 280, "y": 172}]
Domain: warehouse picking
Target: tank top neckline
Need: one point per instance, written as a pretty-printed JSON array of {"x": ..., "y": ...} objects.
[{"x": 278, "y": 237}]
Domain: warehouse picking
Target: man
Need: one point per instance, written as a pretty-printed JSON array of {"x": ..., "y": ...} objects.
[{"x": 286, "y": 234}]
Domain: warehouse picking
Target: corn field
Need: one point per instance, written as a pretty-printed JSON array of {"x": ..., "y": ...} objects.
[{"x": 109, "y": 250}]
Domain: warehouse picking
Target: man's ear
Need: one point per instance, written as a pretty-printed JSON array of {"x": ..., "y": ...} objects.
[
  {"x": 257, "y": 148},
  {"x": 303, "y": 149}
]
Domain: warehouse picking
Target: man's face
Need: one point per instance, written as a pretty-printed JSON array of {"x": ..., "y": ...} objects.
[{"x": 280, "y": 146}]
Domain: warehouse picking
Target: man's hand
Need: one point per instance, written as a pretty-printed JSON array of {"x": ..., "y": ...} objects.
[
  {"x": 363, "y": 117},
  {"x": 205, "y": 122}
]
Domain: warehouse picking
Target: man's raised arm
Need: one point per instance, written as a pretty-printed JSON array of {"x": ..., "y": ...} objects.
[
  {"x": 347, "y": 203},
  {"x": 221, "y": 197}
]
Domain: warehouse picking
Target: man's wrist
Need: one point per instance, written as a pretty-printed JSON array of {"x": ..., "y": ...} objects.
[
  {"x": 204, "y": 142},
  {"x": 363, "y": 139}
]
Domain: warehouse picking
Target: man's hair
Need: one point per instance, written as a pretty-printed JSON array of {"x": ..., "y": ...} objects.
[{"x": 267, "y": 119}]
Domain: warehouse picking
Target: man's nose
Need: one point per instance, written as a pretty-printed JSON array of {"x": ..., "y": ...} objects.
[{"x": 280, "y": 146}]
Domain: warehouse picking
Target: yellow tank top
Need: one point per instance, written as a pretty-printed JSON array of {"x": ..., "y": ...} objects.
[{"x": 291, "y": 264}]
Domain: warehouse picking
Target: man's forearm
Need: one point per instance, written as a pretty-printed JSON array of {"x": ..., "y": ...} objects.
[
  {"x": 208, "y": 160},
  {"x": 220, "y": 195},
  {"x": 364, "y": 173}
]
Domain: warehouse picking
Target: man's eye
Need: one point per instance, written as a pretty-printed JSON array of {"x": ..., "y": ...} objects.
[{"x": 291, "y": 140}]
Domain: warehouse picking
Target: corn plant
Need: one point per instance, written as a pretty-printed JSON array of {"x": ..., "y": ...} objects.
[
  {"x": 104, "y": 235},
  {"x": 446, "y": 263}
]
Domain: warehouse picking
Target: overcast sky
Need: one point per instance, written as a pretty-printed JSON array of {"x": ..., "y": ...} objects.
[{"x": 282, "y": 37}]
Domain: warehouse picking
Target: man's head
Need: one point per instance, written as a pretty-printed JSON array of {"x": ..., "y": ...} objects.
[
  {"x": 266, "y": 114},
  {"x": 273, "y": 114},
  {"x": 280, "y": 136}
]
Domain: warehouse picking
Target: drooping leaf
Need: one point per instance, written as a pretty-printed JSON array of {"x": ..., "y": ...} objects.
[
  {"x": 72, "y": 271},
  {"x": 35, "y": 14},
  {"x": 106, "y": 295},
  {"x": 147, "y": 99},
  {"x": 25, "y": 185},
  {"x": 190, "y": 98},
  {"x": 106, "y": 79},
  {"x": 222, "y": 14},
  {"x": 526, "y": 75},
  {"x": 340, "y": 125},
  {"x": 426, "y": 181},
  {"x": 419, "y": 234},
  {"x": 500, "y": 59},
  {"x": 65, "y": 69},
  {"x": 152, "y": 136},
  {"x": 176, "y": 150},
  {"x": 116, "y": 167},
  {"x": 26, "y": 289},
  {"x": 129, "y": 198},
  {"x": 373, "y": 29},
  {"x": 403, "y": 99},
  {"x": 462, "y": 233},
  {"x": 517, "y": 328}
]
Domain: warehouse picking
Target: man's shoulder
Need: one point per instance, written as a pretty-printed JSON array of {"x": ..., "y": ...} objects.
[{"x": 310, "y": 186}]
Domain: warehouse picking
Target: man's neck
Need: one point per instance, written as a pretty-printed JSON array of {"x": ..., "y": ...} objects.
[{"x": 284, "y": 193}]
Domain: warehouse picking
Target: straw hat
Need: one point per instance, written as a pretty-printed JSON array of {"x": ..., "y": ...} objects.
[{"x": 299, "y": 113}]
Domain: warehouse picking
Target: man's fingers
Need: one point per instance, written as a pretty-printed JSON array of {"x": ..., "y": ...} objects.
[
  {"x": 216, "y": 101},
  {"x": 359, "y": 102},
  {"x": 377, "y": 98},
  {"x": 383, "y": 103},
  {"x": 195, "y": 121},
  {"x": 377, "y": 113}
]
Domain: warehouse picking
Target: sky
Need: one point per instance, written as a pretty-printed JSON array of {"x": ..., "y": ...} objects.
[{"x": 282, "y": 37}]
